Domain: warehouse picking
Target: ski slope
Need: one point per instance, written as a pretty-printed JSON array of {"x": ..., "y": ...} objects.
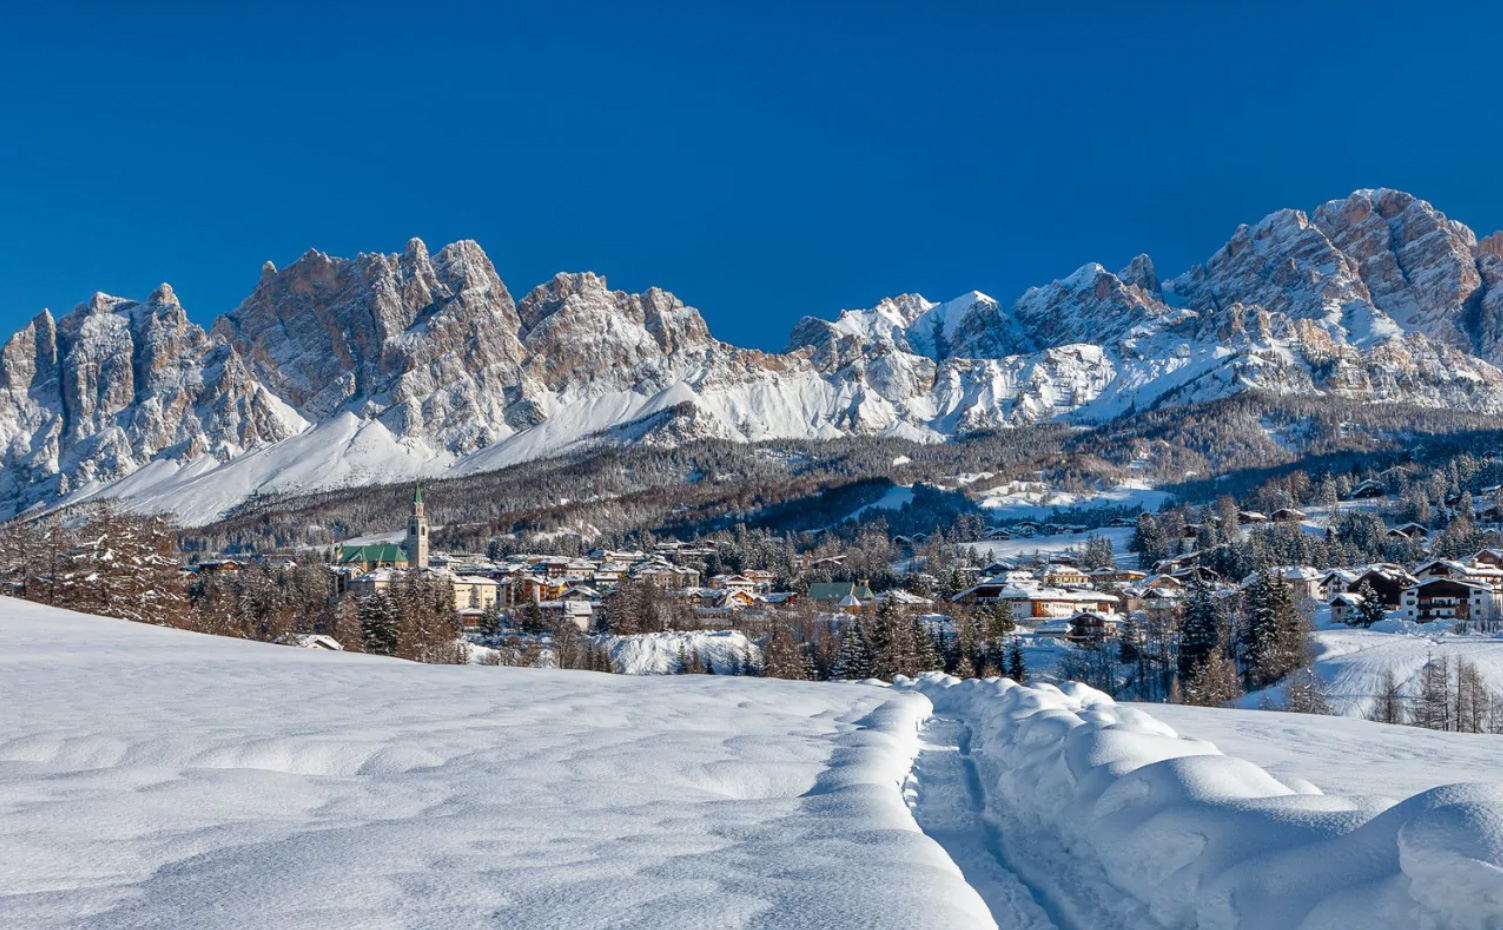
[{"x": 157, "y": 778}]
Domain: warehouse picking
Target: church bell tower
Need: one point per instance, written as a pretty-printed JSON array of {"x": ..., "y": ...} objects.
[{"x": 417, "y": 533}]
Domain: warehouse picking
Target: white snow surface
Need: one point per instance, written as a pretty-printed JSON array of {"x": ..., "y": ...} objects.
[
  {"x": 157, "y": 778},
  {"x": 1023, "y": 500},
  {"x": 658, "y": 653},
  {"x": 1340, "y": 754},
  {"x": 1116, "y": 822},
  {"x": 1352, "y": 662},
  {"x": 1025, "y": 547}
]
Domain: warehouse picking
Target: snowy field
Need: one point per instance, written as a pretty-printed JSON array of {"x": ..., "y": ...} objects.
[
  {"x": 1031, "y": 500},
  {"x": 156, "y": 778},
  {"x": 1353, "y": 662},
  {"x": 1023, "y": 548}
]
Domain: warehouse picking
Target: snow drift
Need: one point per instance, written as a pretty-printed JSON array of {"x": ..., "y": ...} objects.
[{"x": 1107, "y": 809}]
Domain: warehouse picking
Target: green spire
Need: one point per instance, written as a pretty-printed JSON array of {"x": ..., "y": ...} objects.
[{"x": 417, "y": 496}]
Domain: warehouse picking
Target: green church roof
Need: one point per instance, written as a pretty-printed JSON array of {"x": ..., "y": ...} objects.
[{"x": 379, "y": 552}]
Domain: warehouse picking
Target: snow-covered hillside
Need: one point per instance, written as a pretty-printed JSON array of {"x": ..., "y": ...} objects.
[
  {"x": 157, "y": 778},
  {"x": 1353, "y": 663},
  {"x": 337, "y": 372}
]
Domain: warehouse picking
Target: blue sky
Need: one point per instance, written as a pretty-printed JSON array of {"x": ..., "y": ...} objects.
[{"x": 763, "y": 161}]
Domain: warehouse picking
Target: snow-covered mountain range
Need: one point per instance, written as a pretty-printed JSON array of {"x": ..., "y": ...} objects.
[{"x": 386, "y": 367}]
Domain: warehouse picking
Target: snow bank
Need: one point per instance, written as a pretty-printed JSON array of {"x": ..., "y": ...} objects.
[
  {"x": 658, "y": 653},
  {"x": 1109, "y": 810}
]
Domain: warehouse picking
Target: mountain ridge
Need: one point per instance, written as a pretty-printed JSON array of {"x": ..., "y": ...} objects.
[{"x": 387, "y": 367}]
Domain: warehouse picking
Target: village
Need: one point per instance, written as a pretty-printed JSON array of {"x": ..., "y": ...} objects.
[{"x": 1065, "y": 590}]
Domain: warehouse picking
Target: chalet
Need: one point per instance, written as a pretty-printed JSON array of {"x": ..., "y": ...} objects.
[
  {"x": 1029, "y": 601},
  {"x": 1480, "y": 573},
  {"x": 734, "y": 583},
  {"x": 722, "y": 602},
  {"x": 1367, "y": 490},
  {"x": 762, "y": 578},
  {"x": 1091, "y": 626},
  {"x": 1304, "y": 580},
  {"x": 581, "y": 592},
  {"x": 1111, "y": 575},
  {"x": 1250, "y": 517},
  {"x": 1409, "y": 531},
  {"x": 996, "y": 532},
  {"x": 1065, "y": 576},
  {"x": 1337, "y": 581},
  {"x": 1449, "y": 599},
  {"x": 827, "y": 563},
  {"x": 536, "y": 588},
  {"x": 1493, "y": 557},
  {"x": 1287, "y": 515},
  {"x": 1155, "y": 592},
  {"x": 216, "y": 566}
]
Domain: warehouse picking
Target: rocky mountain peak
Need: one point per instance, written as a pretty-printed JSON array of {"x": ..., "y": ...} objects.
[
  {"x": 1140, "y": 273},
  {"x": 395, "y": 364}
]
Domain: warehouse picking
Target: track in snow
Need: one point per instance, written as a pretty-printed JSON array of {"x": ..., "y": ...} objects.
[{"x": 948, "y": 801}]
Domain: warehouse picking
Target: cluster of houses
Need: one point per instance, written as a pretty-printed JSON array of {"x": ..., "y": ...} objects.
[
  {"x": 574, "y": 588},
  {"x": 1059, "y": 599},
  {"x": 1063, "y": 601}
]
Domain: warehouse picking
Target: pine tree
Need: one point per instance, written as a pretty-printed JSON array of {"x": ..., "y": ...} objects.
[
  {"x": 683, "y": 658},
  {"x": 532, "y": 619},
  {"x": 1371, "y": 610},
  {"x": 1201, "y": 632},
  {"x": 1276, "y": 636},
  {"x": 927, "y": 657},
  {"x": 379, "y": 619},
  {"x": 999, "y": 621},
  {"x": 856, "y": 660},
  {"x": 1017, "y": 669}
]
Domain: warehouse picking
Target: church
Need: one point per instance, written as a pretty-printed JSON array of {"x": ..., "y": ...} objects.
[{"x": 412, "y": 553}]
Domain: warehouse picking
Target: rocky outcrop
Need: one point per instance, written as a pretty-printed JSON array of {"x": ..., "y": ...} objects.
[{"x": 381, "y": 367}]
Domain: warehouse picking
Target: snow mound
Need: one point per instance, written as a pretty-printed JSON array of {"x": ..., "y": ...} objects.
[
  {"x": 658, "y": 653},
  {"x": 1136, "y": 826}
]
